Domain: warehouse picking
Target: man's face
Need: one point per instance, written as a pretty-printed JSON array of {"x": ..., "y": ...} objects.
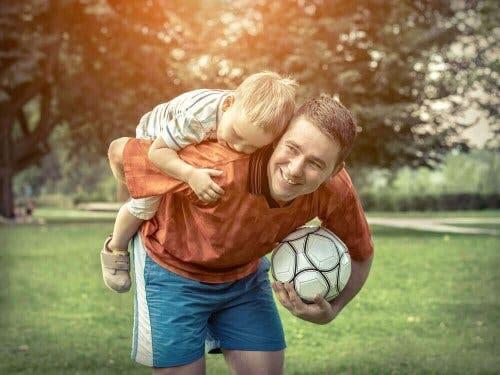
[{"x": 304, "y": 158}]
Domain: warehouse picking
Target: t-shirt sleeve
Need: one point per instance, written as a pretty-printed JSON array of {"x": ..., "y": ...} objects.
[
  {"x": 181, "y": 131},
  {"x": 143, "y": 179},
  {"x": 343, "y": 214}
]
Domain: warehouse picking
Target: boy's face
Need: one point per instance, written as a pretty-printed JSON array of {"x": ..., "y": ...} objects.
[
  {"x": 236, "y": 132},
  {"x": 303, "y": 159}
]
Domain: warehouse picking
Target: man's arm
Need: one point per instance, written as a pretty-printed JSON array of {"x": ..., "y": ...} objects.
[
  {"x": 323, "y": 312},
  {"x": 359, "y": 274}
]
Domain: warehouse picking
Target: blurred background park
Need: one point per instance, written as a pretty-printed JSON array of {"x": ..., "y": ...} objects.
[{"x": 421, "y": 78}]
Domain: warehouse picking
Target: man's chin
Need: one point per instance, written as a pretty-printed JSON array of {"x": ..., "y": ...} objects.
[{"x": 283, "y": 197}]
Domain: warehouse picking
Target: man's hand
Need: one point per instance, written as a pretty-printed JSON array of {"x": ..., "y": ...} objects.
[
  {"x": 200, "y": 180},
  {"x": 320, "y": 312}
]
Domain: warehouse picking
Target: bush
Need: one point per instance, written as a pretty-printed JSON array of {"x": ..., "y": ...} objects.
[{"x": 54, "y": 200}]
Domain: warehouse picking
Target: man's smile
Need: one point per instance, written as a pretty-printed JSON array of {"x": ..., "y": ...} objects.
[{"x": 287, "y": 178}]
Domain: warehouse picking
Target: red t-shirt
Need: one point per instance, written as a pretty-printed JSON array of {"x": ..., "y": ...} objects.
[{"x": 224, "y": 241}]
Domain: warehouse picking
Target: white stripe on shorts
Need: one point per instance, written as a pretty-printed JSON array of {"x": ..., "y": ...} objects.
[{"x": 142, "y": 346}]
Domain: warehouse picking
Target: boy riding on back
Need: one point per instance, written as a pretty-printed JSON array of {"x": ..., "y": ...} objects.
[{"x": 246, "y": 119}]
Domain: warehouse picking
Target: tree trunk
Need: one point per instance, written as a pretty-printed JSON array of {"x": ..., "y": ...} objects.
[{"x": 6, "y": 169}]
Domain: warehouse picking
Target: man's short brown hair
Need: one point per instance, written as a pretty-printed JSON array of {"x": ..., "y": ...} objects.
[{"x": 333, "y": 119}]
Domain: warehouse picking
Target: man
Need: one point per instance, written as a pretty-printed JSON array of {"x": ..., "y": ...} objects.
[{"x": 198, "y": 267}]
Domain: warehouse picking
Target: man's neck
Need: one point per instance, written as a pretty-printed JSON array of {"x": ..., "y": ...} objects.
[{"x": 258, "y": 177}]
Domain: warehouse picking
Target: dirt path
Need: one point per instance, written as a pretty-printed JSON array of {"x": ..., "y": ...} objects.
[{"x": 444, "y": 225}]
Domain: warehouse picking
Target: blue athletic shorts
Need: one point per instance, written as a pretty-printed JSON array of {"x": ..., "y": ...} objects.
[{"x": 175, "y": 316}]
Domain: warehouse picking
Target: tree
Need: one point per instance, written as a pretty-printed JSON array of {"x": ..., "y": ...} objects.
[
  {"x": 103, "y": 63},
  {"x": 374, "y": 55},
  {"x": 28, "y": 63},
  {"x": 62, "y": 59}
]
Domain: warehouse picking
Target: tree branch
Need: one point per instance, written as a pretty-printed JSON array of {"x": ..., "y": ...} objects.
[{"x": 21, "y": 116}]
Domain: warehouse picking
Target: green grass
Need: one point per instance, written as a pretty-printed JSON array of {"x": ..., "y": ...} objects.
[{"x": 430, "y": 306}]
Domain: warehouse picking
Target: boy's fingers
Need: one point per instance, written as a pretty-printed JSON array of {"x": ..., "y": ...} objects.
[
  {"x": 216, "y": 188},
  {"x": 205, "y": 198},
  {"x": 214, "y": 194},
  {"x": 215, "y": 172}
]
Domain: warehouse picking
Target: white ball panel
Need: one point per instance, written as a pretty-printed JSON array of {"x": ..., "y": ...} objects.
[
  {"x": 345, "y": 270},
  {"x": 332, "y": 279},
  {"x": 300, "y": 232},
  {"x": 340, "y": 244},
  {"x": 303, "y": 262},
  {"x": 310, "y": 283},
  {"x": 298, "y": 244},
  {"x": 283, "y": 263},
  {"x": 322, "y": 252}
]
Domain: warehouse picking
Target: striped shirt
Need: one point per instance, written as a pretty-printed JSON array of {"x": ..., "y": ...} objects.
[{"x": 190, "y": 118}]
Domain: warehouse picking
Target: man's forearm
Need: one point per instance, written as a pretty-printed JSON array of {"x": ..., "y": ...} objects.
[{"x": 359, "y": 274}]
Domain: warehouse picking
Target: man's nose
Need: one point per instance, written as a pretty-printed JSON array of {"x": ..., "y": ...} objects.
[{"x": 295, "y": 167}]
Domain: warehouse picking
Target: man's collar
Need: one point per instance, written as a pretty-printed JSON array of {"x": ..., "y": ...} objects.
[
  {"x": 258, "y": 182},
  {"x": 257, "y": 176}
]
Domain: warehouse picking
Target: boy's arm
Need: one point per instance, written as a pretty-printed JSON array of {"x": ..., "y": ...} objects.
[
  {"x": 168, "y": 161},
  {"x": 199, "y": 179}
]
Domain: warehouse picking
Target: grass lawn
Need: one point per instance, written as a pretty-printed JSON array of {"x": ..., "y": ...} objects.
[{"x": 431, "y": 306}]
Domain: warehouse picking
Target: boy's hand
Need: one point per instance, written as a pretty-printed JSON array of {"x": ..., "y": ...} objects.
[{"x": 205, "y": 188}]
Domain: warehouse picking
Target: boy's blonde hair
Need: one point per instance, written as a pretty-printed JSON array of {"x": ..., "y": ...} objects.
[{"x": 268, "y": 100}]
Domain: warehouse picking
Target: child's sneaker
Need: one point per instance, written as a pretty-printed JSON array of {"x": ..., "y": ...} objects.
[{"x": 115, "y": 266}]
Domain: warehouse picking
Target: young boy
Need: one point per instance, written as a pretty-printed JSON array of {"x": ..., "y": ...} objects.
[{"x": 246, "y": 119}]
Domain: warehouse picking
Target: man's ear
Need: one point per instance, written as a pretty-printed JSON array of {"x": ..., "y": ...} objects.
[
  {"x": 227, "y": 103},
  {"x": 338, "y": 168}
]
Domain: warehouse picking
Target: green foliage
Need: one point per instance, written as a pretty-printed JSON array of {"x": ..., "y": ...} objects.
[
  {"x": 96, "y": 66},
  {"x": 118, "y": 59},
  {"x": 441, "y": 202},
  {"x": 427, "y": 294},
  {"x": 463, "y": 182},
  {"x": 63, "y": 176}
]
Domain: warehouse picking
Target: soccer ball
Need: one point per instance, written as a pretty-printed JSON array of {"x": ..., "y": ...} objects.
[{"x": 314, "y": 260}]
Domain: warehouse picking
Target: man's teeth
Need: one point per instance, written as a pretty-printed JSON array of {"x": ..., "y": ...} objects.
[{"x": 289, "y": 180}]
